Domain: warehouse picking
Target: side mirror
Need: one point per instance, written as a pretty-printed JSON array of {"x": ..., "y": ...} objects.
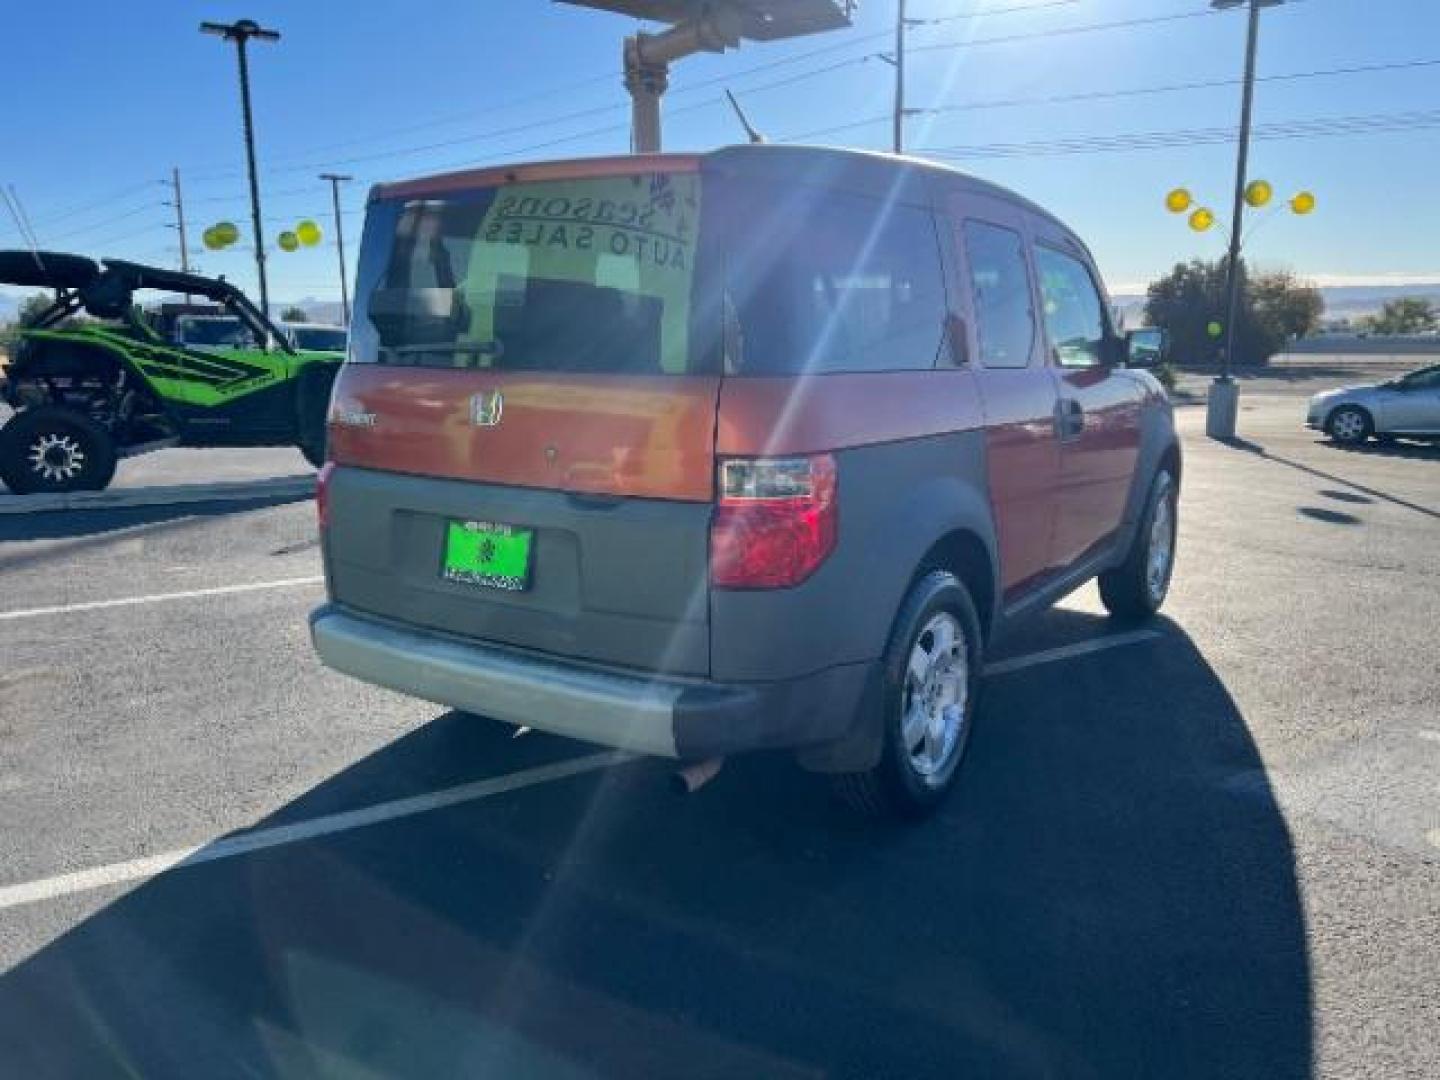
[{"x": 1147, "y": 347}]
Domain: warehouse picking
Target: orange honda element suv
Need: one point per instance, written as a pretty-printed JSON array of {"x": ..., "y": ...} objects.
[{"x": 696, "y": 454}]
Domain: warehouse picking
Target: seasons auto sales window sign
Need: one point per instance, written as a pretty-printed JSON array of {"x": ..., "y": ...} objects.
[{"x": 631, "y": 234}]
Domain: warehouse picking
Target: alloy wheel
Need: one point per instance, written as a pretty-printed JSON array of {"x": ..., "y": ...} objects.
[
  {"x": 935, "y": 698},
  {"x": 56, "y": 457}
]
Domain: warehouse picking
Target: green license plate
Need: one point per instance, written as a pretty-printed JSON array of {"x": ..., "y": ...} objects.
[{"x": 482, "y": 553}]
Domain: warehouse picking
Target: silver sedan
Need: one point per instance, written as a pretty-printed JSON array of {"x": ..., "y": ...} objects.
[{"x": 1408, "y": 407}]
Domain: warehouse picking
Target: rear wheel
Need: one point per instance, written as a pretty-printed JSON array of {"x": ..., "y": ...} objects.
[
  {"x": 931, "y": 682},
  {"x": 49, "y": 449},
  {"x": 1350, "y": 425}
]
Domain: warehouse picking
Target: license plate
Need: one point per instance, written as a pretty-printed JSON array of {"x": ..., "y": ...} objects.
[{"x": 483, "y": 553}]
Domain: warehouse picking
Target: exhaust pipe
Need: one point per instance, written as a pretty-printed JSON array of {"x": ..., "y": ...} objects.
[{"x": 693, "y": 777}]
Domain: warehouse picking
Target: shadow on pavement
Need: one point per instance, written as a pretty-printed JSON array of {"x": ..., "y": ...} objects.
[
  {"x": 1237, "y": 443},
  {"x": 1393, "y": 448},
  {"x": 1111, "y": 892},
  {"x": 100, "y": 527},
  {"x": 1330, "y": 517}
]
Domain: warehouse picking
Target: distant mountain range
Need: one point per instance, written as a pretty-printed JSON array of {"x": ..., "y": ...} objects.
[{"x": 1341, "y": 301}]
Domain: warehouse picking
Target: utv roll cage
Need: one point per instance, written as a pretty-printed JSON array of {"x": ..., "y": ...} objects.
[{"x": 105, "y": 289}]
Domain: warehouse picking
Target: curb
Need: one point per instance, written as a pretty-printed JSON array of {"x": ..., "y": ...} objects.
[{"x": 174, "y": 494}]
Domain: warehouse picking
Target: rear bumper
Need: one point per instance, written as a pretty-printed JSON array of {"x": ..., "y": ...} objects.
[{"x": 687, "y": 719}]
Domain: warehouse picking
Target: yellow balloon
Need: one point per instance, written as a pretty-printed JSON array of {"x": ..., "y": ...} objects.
[
  {"x": 288, "y": 241},
  {"x": 211, "y": 239},
  {"x": 1258, "y": 193},
  {"x": 1303, "y": 203},
  {"x": 1178, "y": 201},
  {"x": 1202, "y": 220},
  {"x": 308, "y": 233}
]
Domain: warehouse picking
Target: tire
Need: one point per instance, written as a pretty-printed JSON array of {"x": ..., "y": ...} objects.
[
  {"x": 935, "y": 656},
  {"x": 1134, "y": 590},
  {"x": 312, "y": 405},
  {"x": 50, "y": 450},
  {"x": 1350, "y": 425}
]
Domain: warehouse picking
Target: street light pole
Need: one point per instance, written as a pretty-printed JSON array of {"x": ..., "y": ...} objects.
[
  {"x": 240, "y": 33},
  {"x": 1224, "y": 402},
  {"x": 335, "y": 181}
]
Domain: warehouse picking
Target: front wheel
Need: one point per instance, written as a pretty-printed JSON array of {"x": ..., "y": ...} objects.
[
  {"x": 53, "y": 450},
  {"x": 1350, "y": 425},
  {"x": 1136, "y": 588},
  {"x": 931, "y": 683}
]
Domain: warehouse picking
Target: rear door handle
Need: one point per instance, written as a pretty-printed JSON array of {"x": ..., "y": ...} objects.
[{"x": 1069, "y": 420}]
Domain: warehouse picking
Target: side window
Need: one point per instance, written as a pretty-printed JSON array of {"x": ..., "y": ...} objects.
[
  {"x": 1074, "y": 313},
  {"x": 1000, "y": 283},
  {"x": 1425, "y": 379},
  {"x": 820, "y": 281}
]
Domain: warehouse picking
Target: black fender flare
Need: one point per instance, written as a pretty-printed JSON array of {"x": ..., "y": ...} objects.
[{"x": 932, "y": 511}]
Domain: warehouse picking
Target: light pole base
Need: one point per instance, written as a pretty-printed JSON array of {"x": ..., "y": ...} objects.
[{"x": 1221, "y": 409}]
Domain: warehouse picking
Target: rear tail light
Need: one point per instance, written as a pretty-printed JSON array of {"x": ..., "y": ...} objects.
[
  {"x": 775, "y": 521},
  {"x": 322, "y": 493}
]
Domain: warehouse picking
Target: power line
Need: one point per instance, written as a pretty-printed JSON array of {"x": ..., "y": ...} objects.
[
  {"x": 1067, "y": 31},
  {"x": 126, "y": 236},
  {"x": 744, "y": 73},
  {"x": 96, "y": 204},
  {"x": 82, "y": 230},
  {"x": 1317, "y": 127},
  {"x": 1018, "y": 9},
  {"x": 1105, "y": 95}
]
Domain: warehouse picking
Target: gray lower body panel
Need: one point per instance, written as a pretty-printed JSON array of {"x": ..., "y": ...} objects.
[{"x": 686, "y": 719}]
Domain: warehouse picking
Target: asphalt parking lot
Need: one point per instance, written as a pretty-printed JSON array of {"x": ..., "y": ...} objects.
[{"x": 1208, "y": 849}]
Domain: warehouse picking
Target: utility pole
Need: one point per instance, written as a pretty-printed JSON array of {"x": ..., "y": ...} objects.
[
  {"x": 179, "y": 205},
  {"x": 241, "y": 33},
  {"x": 1224, "y": 401},
  {"x": 900, "y": 77},
  {"x": 335, "y": 181}
]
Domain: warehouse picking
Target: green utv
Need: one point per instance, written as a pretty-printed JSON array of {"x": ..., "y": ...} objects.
[{"x": 86, "y": 393}]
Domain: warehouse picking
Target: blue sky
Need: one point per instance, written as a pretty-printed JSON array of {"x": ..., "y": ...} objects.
[{"x": 115, "y": 94}]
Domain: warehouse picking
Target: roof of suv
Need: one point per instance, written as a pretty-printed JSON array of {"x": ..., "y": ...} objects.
[{"x": 861, "y": 171}]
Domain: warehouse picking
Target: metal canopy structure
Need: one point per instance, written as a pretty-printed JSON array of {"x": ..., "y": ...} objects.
[
  {"x": 759, "y": 20},
  {"x": 703, "y": 26}
]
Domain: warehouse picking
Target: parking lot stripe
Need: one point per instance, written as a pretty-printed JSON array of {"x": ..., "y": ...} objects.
[
  {"x": 1067, "y": 652},
  {"x": 158, "y": 598},
  {"x": 244, "y": 843},
  {"x": 99, "y": 877}
]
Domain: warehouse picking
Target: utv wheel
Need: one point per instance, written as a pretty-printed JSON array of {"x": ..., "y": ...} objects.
[
  {"x": 931, "y": 682},
  {"x": 47, "y": 449},
  {"x": 1136, "y": 588},
  {"x": 1350, "y": 425}
]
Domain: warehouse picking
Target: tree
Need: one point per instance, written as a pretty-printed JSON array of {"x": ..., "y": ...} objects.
[
  {"x": 294, "y": 314},
  {"x": 31, "y": 307},
  {"x": 1274, "y": 309},
  {"x": 1407, "y": 315},
  {"x": 1285, "y": 308}
]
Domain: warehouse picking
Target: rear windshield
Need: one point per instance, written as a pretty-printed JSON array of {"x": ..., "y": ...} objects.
[
  {"x": 649, "y": 274},
  {"x": 588, "y": 275}
]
